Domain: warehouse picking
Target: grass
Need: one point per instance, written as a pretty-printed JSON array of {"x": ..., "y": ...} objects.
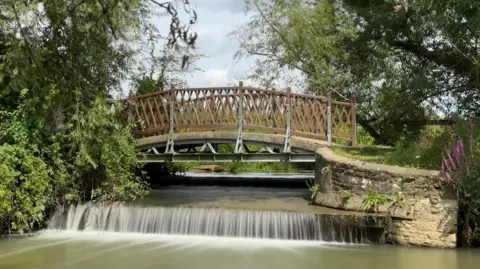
[
  {"x": 425, "y": 153},
  {"x": 412, "y": 157},
  {"x": 239, "y": 167}
]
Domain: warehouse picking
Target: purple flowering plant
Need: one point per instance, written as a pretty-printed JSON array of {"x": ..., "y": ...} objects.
[{"x": 461, "y": 167}]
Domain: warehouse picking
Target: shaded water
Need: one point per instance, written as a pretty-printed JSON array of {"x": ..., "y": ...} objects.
[{"x": 158, "y": 234}]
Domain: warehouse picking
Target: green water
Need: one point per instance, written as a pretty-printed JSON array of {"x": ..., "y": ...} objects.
[
  {"x": 97, "y": 250},
  {"x": 113, "y": 250}
]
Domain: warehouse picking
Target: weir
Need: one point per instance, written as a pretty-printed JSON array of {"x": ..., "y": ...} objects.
[{"x": 214, "y": 222}]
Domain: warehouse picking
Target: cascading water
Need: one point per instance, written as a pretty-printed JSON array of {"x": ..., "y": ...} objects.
[{"x": 208, "y": 222}]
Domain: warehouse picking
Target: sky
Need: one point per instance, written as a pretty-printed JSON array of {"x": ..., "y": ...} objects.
[
  {"x": 216, "y": 19},
  {"x": 218, "y": 68}
]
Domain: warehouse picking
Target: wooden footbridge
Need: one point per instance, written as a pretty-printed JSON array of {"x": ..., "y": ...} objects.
[{"x": 262, "y": 125}]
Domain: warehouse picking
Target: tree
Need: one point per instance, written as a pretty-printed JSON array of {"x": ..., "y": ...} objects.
[
  {"x": 287, "y": 34},
  {"x": 60, "y": 61},
  {"x": 166, "y": 70},
  {"x": 362, "y": 50}
]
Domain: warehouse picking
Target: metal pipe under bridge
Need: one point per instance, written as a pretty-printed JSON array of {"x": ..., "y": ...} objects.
[{"x": 239, "y": 123}]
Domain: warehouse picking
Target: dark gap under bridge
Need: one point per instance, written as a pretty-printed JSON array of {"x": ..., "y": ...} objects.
[{"x": 238, "y": 124}]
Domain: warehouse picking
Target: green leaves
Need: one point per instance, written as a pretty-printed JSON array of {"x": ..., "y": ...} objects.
[
  {"x": 401, "y": 62},
  {"x": 24, "y": 189},
  {"x": 104, "y": 154},
  {"x": 60, "y": 132},
  {"x": 372, "y": 200},
  {"x": 296, "y": 35}
]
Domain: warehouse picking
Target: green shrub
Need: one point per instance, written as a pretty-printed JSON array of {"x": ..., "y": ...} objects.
[
  {"x": 314, "y": 189},
  {"x": 90, "y": 157},
  {"x": 364, "y": 138},
  {"x": 372, "y": 200},
  {"x": 103, "y": 156},
  {"x": 24, "y": 189}
]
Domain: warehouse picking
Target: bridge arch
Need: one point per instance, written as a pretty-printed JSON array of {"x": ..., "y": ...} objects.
[{"x": 270, "y": 148}]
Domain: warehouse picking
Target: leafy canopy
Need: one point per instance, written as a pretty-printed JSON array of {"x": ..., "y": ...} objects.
[
  {"x": 61, "y": 138},
  {"x": 406, "y": 63}
]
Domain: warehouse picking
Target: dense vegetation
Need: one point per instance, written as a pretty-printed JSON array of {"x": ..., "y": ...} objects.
[
  {"x": 461, "y": 167},
  {"x": 406, "y": 63},
  {"x": 409, "y": 65},
  {"x": 412, "y": 66},
  {"x": 61, "y": 61}
]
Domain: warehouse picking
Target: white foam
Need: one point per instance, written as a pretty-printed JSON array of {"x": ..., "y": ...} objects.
[
  {"x": 221, "y": 223},
  {"x": 191, "y": 240}
]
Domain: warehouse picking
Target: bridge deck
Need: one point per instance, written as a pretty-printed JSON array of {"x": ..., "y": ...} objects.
[{"x": 303, "y": 149}]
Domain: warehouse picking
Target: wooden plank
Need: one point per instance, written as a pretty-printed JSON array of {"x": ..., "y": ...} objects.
[
  {"x": 323, "y": 98},
  {"x": 146, "y": 95},
  {"x": 353, "y": 123},
  {"x": 145, "y": 115},
  {"x": 341, "y": 103},
  {"x": 162, "y": 117},
  {"x": 151, "y": 112}
]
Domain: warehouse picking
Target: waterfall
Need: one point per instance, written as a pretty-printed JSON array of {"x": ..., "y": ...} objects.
[{"x": 207, "y": 222}]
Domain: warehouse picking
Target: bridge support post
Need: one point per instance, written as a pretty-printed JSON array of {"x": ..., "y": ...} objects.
[
  {"x": 287, "y": 148},
  {"x": 329, "y": 120},
  {"x": 354, "y": 125},
  {"x": 239, "y": 143},
  {"x": 169, "y": 149}
]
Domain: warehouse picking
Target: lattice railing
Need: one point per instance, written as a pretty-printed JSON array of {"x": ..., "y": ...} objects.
[{"x": 213, "y": 109}]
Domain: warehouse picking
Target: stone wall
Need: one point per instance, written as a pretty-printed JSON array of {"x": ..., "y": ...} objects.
[{"x": 425, "y": 217}]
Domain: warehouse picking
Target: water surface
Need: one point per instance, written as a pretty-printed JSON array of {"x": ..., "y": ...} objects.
[
  {"x": 139, "y": 236},
  {"x": 122, "y": 251}
]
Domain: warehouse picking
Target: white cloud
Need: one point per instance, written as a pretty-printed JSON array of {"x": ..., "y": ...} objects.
[
  {"x": 231, "y": 6},
  {"x": 216, "y": 19},
  {"x": 216, "y": 77}
]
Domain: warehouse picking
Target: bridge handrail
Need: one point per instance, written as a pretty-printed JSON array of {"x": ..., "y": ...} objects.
[
  {"x": 167, "y": 92},
  {"x": 296, "y": 114}
]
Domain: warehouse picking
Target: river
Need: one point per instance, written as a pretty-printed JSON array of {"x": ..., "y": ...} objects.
[{"x": 213, "y": 227}]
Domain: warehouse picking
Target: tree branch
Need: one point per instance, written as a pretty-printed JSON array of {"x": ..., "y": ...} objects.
[
  {"x": 22, "y": 32},
  {"x": 444, "y": 57},
  {"x": 277, "y": 32},
  {"x": 425, "y": 122},
  {"x": 277, "y": 59}
]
